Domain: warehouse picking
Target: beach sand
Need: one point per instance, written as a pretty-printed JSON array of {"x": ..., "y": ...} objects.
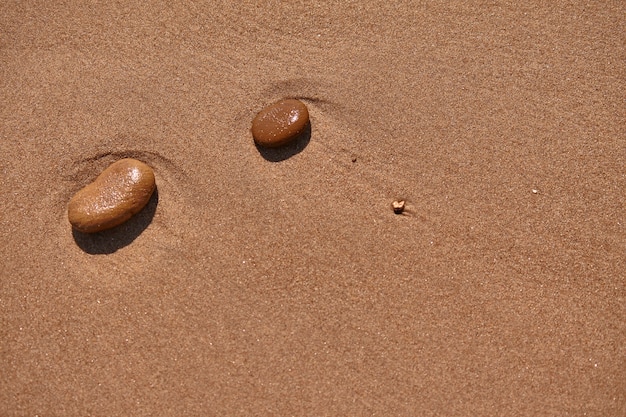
[{"x": 281, "y": 282}]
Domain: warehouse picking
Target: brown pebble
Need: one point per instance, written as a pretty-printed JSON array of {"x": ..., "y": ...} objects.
[
  {"x": 119, "y": 192},
  {"x": 280, "y": 123},
  {"x": 398, "y": 206}
]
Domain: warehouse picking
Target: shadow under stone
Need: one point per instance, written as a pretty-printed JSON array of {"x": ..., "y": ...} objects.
[{"x": 109, "y": 241}]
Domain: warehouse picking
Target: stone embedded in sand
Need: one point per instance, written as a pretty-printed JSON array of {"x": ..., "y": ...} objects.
[
  {"x": 119, "y": 192},
  {"x": 280, "y": 123}
]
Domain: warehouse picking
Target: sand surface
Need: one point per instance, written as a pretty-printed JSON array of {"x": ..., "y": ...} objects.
[{"x": 279, "y": 284}]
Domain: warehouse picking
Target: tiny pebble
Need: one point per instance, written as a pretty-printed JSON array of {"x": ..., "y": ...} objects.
[
  {"x": 119, "y": 192},
  {"x": 398, "y": 206},
  {"x": 280, "y": 123}
]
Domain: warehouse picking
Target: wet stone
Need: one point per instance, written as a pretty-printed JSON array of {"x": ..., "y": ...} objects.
[
  {"x": 280, "y": 123},
  {"x": 118, "y": 193}
]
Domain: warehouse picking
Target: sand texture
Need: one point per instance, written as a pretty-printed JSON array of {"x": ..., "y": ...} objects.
[{"x": 280, "y": 282}]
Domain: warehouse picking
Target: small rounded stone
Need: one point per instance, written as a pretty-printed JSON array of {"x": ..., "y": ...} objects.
[
  {"x": 280, "y": 123},
  {"x": 119, "y": 192}
]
